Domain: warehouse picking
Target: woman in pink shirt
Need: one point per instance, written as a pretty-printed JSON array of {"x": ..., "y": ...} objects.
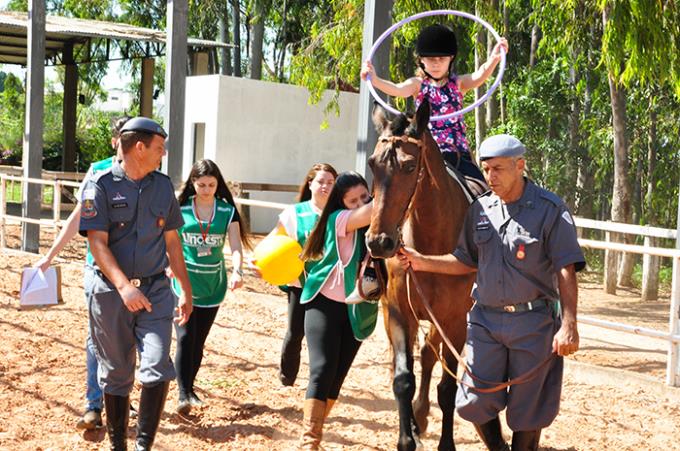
[{"x": 336, "y": 244}]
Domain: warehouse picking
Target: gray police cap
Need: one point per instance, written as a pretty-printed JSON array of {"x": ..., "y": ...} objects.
[
  {"x": 145, "y": 125},
  {"x": 501, "y": 146}
]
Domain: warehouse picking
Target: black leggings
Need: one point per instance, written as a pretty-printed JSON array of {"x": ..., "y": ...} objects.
[
  {"x": 331, "y": 344},
  {"x": 292, "y": 342},
  {"x": 190, "y": 343}
]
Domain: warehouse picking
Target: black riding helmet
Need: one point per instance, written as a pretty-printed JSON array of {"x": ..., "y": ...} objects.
[{"x": 436, "y": 40}]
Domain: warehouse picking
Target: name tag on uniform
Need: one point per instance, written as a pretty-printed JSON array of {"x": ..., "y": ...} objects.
[
  {"x": 119, "y": 205},
  {"x": 203, "y": 250}
]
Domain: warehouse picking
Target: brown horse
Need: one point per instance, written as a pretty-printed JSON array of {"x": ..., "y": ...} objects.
[{"x": 417, "y": 202}]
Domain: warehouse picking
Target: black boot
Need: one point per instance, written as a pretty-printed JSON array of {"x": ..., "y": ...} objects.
[
  {"x": 491, "y": 435},
  {"x": 526, "y": 440},
  {"x": 117, "y": 412},
  {"x": 149, "y": 415}
]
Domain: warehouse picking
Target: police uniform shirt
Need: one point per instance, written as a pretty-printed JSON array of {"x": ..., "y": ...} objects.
[
  {"x": 135, "y": 214},
  {"x": 518, "y": 248}
]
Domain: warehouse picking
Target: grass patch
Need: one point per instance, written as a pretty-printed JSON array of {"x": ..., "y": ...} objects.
[{"x": 13, "y": 192}]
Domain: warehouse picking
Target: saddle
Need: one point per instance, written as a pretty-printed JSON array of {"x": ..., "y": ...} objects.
[{"x": 472, "y": 187}]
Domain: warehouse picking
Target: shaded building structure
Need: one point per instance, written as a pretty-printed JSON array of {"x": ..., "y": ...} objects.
[{"x": 35, "y": 40}]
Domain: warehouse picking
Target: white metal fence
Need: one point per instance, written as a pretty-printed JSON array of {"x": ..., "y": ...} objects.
[{"x": 672, "y": 337}]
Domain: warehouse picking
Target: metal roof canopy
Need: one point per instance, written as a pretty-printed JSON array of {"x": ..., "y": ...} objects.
[{"x": 92, "y": 40}]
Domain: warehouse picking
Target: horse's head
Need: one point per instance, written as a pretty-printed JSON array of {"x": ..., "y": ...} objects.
[{"x": 397, "y": 163}]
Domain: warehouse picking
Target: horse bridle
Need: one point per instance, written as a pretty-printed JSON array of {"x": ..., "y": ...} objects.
[{"x": 422, "y": 165}]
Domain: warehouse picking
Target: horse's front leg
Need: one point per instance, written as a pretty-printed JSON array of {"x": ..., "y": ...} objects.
[
  {"x": 428, "y": 358},
  {"x": 404, "y": 382},
  {"x": 446, "y": 396}
]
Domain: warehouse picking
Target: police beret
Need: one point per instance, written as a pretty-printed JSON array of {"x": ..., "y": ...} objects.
[
  {"x": 436, "y": 40},
  {"x": 501, "y": 146},
  {"x": 145, "y": 125}
]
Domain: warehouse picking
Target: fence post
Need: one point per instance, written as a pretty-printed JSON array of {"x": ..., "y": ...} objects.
[
  {"x": 610, "y": 266},
  {"x": 673, "y": 368},
  {"x": 56, "y": 205},
  {"x": 245, "y": 209},
  {"x": 650, "y": 273},
  {"x": 3, "y": 209}
]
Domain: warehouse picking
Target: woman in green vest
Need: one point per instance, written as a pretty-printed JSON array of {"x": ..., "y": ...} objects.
[
  {"x": 297, "y": 222},
  {"x": 210, "y": 219},
  {"x": 335, "y": 245}
]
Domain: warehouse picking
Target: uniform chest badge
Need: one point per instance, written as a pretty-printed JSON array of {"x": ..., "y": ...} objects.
[
  {"x": 118, "y": 197},
  {"x": 483, "y": 222},
  {"x": 520, "y": 252}
]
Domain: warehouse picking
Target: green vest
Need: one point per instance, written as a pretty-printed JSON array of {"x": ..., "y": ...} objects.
[
  {"x": 207, "y": 273},
  {"x": 363, "y": 317},
  {"x": 97, "y": 166},
  {"x": 306, "y": 219}
]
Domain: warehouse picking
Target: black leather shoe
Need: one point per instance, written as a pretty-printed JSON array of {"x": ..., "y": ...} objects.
[
  {"x": 492, "y": 436},
  {"x": 151, "y": 406},
  {"x": 526, "y": 440},
  {"x": 117, "y": 411}
]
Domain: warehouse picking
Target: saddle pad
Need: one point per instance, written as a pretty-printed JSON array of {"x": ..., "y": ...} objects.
[{"x": 472, "y": 187}]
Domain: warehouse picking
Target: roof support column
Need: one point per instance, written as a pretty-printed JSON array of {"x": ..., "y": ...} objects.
[
  {"x": 200, "y": 63},
  {"x": 33, "y": 131},
  {"x": 146, "y": 88},
  {"x": 175, "y": 85},
  {"x": 70, "y": 111},
  {"x": 377, "y": 18}
]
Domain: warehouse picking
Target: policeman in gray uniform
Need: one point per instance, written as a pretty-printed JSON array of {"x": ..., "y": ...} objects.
[
  {"x": 130, "y": 216},
  {"x": 522, "y": 242}
]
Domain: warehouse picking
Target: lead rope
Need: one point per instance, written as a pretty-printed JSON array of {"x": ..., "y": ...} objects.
[{"x": 495, "y": 386}]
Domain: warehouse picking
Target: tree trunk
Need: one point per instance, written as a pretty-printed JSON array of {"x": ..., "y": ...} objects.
[
  {"x": 491, "y": 103},
  {"x": 628, "y": 260},
  {"x": 480, "y": 122},
  {"x": 506, "y": 27},
  {"x": 650, "y": 263},
  {"x": 237, "y": 37},
  {"x": 574, "y": 138},
  {"x": 620, "y": 211},
  {"x": 257, "y": 38},
  {"x": 284, "y": 43},
  {"x": 225, "y": 52},
  {"x": 535, "y": 38}
]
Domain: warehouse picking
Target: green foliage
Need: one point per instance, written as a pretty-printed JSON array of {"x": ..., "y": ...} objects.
[{"x": 11, "y": 117}]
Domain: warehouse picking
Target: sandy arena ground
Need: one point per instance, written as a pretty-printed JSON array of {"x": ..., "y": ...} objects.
[{"x": 613, "y": 397}]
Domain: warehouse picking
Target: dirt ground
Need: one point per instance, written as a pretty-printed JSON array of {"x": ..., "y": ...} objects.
[{"x": 42, "y": 380}]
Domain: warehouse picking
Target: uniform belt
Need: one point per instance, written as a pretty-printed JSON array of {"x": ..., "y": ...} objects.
[
  {"x": 522, "y": 306},
  {"x": 139, "y": 281}
]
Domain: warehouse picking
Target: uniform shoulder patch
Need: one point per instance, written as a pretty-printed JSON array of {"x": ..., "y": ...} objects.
[
  {"x": 88, "y": 210},
  {"x": 567, "y": 217}
]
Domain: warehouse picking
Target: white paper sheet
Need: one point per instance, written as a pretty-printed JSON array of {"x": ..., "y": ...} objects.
[{"x": 39, "y": 288}]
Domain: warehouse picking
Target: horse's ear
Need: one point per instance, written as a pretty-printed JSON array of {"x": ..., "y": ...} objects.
[
  {"x": 379, "y": 118},
  {"x": 422, "y": 117}
]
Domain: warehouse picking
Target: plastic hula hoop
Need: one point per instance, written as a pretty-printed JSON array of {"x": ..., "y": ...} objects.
[{"x": 438, "y": 12}]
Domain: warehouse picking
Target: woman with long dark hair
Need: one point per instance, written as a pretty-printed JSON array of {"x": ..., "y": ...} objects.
[
  {"x": 210, "y": 219},
  {"x": 336, "y": 245},
  {"x": 297, "y": 222}
]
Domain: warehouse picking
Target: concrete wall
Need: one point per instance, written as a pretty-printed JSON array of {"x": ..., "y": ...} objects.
[{"x": 265, "y": 132}]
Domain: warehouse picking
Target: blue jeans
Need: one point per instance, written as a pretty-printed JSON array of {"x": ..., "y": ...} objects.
[{"x": 94, "y": 392}]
